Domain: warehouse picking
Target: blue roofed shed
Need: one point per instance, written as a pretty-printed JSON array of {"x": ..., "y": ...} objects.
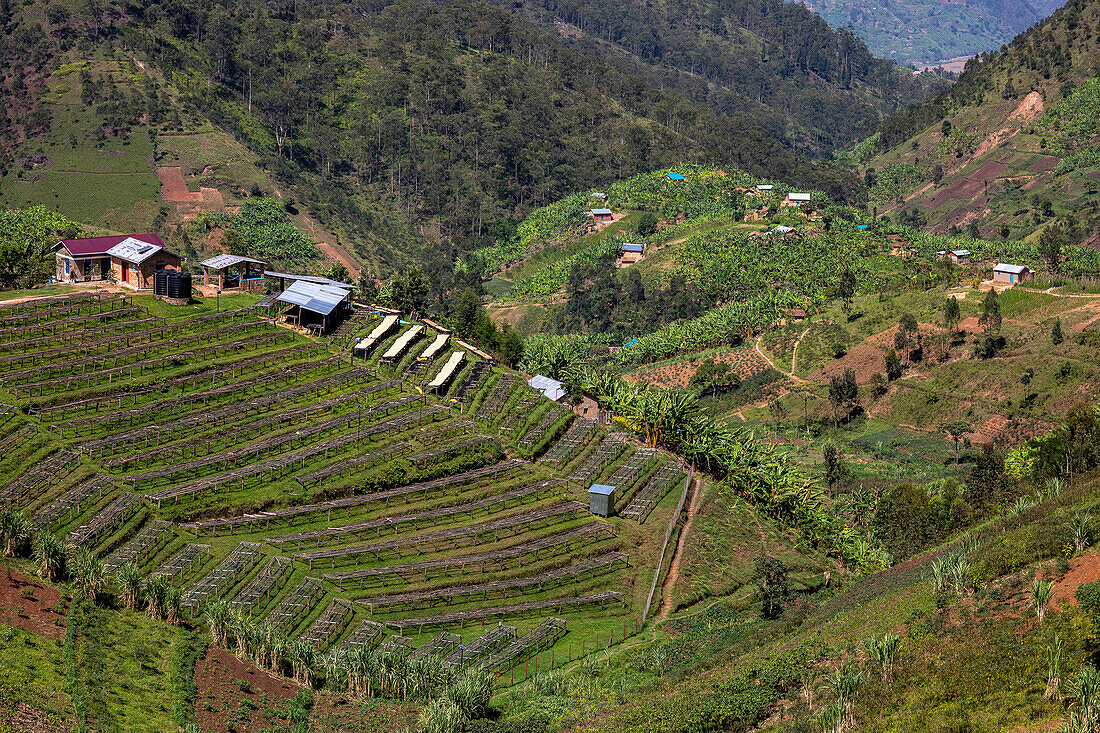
[
  {"x": 602, "y": 214},
  {"x": 628, "y": 247},
  {"x": 675, "y": 177},
  {"x": 601, "y": 500}
]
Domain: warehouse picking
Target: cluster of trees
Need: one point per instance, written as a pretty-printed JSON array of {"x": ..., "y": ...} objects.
[{"x": 26, "y": 236}]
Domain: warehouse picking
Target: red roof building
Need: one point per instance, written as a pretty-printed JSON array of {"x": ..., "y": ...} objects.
[{"x": 106, "y": 258}]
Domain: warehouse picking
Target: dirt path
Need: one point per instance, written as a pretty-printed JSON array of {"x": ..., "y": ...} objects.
[
  {"x": 334, "y": 252},
  {"x": 678, "y": 554},
  {"x": 794, "y": 355}
]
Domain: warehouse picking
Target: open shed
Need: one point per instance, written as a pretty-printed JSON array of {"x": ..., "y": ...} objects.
[
  {"x": 233, "y": 272},
  {"x": 319, "y": 307}
]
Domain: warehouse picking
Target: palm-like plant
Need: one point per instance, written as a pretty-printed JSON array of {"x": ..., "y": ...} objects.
[
  {"x": 130, "y": 584},
  {"x": 50, "y": 555},
  {"x": 302, "y": 656},
  {"x": 156, "y": 596},
  {"x": 441, "y": 715},
  {"x": 1084, "y": 696},
  {"x": 1041, "y": 591},
  {"x": 1021, "y": 505},
  {"x": 88, "y": 574},
  {"x": 173, "y": 606},
  {"x": 1054, "y": 668},
  {"x": 961, "y": 573},
  {"x": 883, "y": 649},
  {"x": 219, "y": 616},
  {"x": 15, "y": 532},
  {"x": 1080, "y": 529},
  {"x": 843, "y": 684}
]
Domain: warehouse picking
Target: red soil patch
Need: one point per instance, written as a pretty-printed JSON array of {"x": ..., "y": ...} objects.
[
  {"x": 217, "y": 679},
  {"x": 1084, "y": 569},
  {"x": 338, "y": 713},
  {"x": 212, "y": 200},
  {"x": 990, "y": 430},
  {"x": 34, "y": 612},
  {"x": 27, "y": 719},
  {"x": 744, "y": 362},
  {"x": 172, "y": 186},
  {"x": 865, "y": 360},
  {"x": 1045, "y": 163},
  {"x": 968, "y": 187},
  {"x": 1029, "y": 109}
]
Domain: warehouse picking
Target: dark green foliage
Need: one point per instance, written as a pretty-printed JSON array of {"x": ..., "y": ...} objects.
[
  {"x": 846, "y": 288},
  {"x": 991, "y": 313},
  {"x": 773, "y": 589},
  {"x": 834, "y": 469},
  {"x": 181, "y": 679},
  {"x": 843, "y": 394},
  {"x": 1072, "y": 448},
  {"x": 647, "y": 224},
  {"x": 1056, "y": 335},
  {"x": 714, "y": 376},
  {"x": 911, "y": 518},
  {"x": 893, "y": 365},
  {"x": 986, "y": 485}
]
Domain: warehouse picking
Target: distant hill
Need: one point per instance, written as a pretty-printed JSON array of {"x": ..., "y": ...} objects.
[
  {"x": 932, "y": 32},
  {"x": 1010, "y": 149}
]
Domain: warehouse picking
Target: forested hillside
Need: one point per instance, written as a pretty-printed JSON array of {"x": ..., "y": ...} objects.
[
  {"x": 1007, "y": 150},
  {"x": 928, "y": 32},
  {"x": 400, "y": 123}
]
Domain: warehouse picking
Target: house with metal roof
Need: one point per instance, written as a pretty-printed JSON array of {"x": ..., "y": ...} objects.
[
  {"x": 135, "y": 262},
  {"x": 1012, "y": 274},
  {"x": 551, "y": 389},
  {"x": 318, "y": 307},
  {"x": 233, "y": 272},
  {"x": 796, "y": 199},
  {"x": 764, "y": 187},
  {"x": 959, "y": 256},
  {"x": 87, "y": 259},
  {"x": 602, "y": 214}
]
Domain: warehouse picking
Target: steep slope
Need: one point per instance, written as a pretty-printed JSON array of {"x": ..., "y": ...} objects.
[
  {"x": 931, "y": 32},
  {"x": 1006, "y": 150}
]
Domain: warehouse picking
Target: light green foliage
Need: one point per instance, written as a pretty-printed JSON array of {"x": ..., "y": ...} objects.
[
  {"x": 541, "y": 227},
  {"x": 267, "y": 231},
  {"x": 1073, "y": 126},
  {"x": 26, "y": 236},
  {"x": 893, "y": 181}
]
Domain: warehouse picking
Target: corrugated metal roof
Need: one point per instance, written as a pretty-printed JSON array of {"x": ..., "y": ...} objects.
[
  {"x": 764, "y": 187},
  {"x": 92, "y": 246},
  {"x": 798, "y": 196},
  {"x": 1013, "y": 269},
  {"x": 601, "y": 212},
  {"x": 782, "y": 229},
  {"x": 628, "y": 247},
  {"x": 224, "y": 260},
  {"x": 961, "y": 252},
  {"x": 312, "y": 297},
  {"x": 601, "y": 489},
  {"x": 317, "y": 279},
  {"x": 134, "y": 250},
  {"x": 550, "y": 388}
]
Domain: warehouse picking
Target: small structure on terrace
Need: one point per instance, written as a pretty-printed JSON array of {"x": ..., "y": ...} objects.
[
  {"x": 1011, "y": 274},
  {"x": 601, "y": 500},
  {"x": 233, "y": 272}
]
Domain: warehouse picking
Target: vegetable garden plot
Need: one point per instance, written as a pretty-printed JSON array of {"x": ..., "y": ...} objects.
[
  {"x": 30, "y": 328},
  {"x": 70, "y": 502},
  {"x": 453, "y": 537},
  {"x": 498, "y": 502},
  {"x": 242, "y": 559},
  {"x": 570, "y": 444},
  {"x": 476, "y": 614},
  {"x": 295, "y": 606},
  {"x": 482, "y": 647},
  {"x": 49, "y": 302},
  {"x": 543, "y": 635},
  {"x": 305, "y": 511},
  {"x": 40, "y": 477},
  {"x": 651, "y": 494},
  {"x": 441, "y": 646},
  {"x": 514, "y": 556},
  {"x": 44, "y": 309},
  {"x": 153, "y": 436},
  {"x": 143, "y": 546},
  {"x": 608, "y": 452},
  {"x": 329, "y": 624},
  {"x": 264, "y": 585},
  {"x": 589, "y": 568},
  {"x": 183, "y": 561},
  {"x": 107, "y": 520}
]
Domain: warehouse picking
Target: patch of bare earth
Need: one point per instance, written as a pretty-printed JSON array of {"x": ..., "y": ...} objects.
[
  {"x": 27, "y": 605},
  {"x": 28, "y": 719},
  {"x": 1084, "y": 569},
  {"x": 225, "y": 703}
]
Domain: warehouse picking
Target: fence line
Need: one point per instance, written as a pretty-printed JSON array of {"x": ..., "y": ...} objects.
[{"x": 664, "y": 545}]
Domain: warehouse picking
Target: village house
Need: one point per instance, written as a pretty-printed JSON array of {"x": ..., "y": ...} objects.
[
  {"x": 135, "y": 262},
  {"x": 601, "y": 214},
  {"x": 90, "y": 259},
  {"x": 1013, "y": 274},
  {"x": 588, "y": 407},
  {"x": 796, "y": 199},
  {"x": 631, "y": 253}
]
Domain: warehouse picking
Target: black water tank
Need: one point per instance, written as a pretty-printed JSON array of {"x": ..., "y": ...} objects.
[
  {"x": 179, "y": 285},
  {"x": 160, "y": 282}
]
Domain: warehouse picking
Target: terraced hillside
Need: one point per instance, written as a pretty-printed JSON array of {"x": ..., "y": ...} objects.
[{"x": 351, "y": 493}]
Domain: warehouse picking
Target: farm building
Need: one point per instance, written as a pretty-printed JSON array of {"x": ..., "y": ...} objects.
[
  {"x": 764, "y": 187},
  {"x": 317, "y": 307},
  {"x": 232, "y": 272},
  {"x": 1003, "y": 273},
  {"x": 598, "y": 195},
  {"x": 630, "y": 253},
  {"x": 86, "y": 260},
  {"x": 588, "y": 407},
  {"x": 134, "y": 262},
  {"x": 675, "y": 177},
  {"x": 782, "y": 229},
  {"x": 602, "y": 214},
  {"x": 551, "y": 389},
  {"x": 959, "y": 256},
  {"x": 601, "y": 500},
  {"x": 796, "y": 199}
]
